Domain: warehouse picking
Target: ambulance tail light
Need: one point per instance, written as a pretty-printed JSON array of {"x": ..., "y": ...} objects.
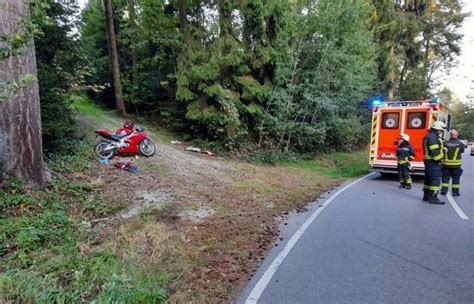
[{"x": 435, "y": 107}]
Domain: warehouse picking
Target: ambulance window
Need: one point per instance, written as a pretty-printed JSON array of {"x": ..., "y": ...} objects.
[
  {"x": 416, "y": 120},
  {"x": 390, "y": 120}
]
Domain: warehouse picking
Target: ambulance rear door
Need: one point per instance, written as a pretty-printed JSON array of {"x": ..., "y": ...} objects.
[
  {"x": 389, "y": 129},
  {"x": 416, "y": 124}
]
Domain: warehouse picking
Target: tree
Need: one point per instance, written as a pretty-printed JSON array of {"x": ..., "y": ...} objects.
[
  {"x": 327, "y": 69},
  {"x": 414, "y": 38},
  {"x": 112, "y": 42},
  {"x": 463, "y": 116},
  {"x": 133, "y": 46},
  {"x": 21, "y": 154},
  {"x": 183, "y": 21}
]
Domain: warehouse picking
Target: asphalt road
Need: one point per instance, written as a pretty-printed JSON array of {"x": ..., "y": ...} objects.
[{"x": 374, "y": 243}]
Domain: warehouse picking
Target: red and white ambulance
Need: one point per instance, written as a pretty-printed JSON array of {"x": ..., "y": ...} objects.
[{"x": 392, "y": 118}]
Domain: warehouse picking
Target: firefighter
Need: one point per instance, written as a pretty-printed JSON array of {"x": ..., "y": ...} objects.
[
  {"x": 433, "y": 155},
  {"x": 405, "y": 154},
  {"x": 452, "y": 163}
]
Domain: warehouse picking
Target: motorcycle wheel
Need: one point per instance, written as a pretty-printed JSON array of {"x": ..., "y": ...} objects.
[
  {"x": 147, "y": 148},
  {"x": 99, "y": 149}
]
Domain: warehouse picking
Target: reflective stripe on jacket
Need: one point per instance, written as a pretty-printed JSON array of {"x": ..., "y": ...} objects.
[
  {"x": 433, "y": 148},
  {"x": 452, "y": 157},
  {"x": 405, "y": 153}
]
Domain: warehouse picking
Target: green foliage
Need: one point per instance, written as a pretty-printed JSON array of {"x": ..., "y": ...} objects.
[
  {"x": 414, "y": 38},
  {"x": 288, "y": 75},
  {"x": 58, "y": 62},
  {"x": 463, "y": 118},
  {"x": 327, "y": 70},
  {"x": 274, "y": 156}
]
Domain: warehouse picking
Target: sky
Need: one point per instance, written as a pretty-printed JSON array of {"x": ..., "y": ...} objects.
[{"x": 460, "y": 79}]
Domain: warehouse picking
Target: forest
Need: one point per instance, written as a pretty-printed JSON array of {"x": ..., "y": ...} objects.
[
  {"x": 291, "y": 75},
  {"x": 266, "y": 75}
]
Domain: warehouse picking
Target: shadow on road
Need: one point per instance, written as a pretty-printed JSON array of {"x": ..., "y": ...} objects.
[{"x": 394, "y": 177}]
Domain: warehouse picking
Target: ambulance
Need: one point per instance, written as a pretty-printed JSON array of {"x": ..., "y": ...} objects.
[{"x": 392, "y": 118}]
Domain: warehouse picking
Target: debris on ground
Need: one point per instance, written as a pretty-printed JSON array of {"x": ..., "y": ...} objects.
[
  {"x": 193, "y": 149},
  {"x": 199, "y": 150},
  {"x": 126, "y": 165},
  {"x": 208, "y": 152},
  {"x": 103, "y": 161},
  {"x": 175, "y": 142}
]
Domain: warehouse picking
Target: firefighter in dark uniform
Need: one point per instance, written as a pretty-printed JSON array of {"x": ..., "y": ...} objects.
[
  {"x": 452, "y": 163},
  {"x": 405, "y": 154},
  {"x": 433, "y": 151}
]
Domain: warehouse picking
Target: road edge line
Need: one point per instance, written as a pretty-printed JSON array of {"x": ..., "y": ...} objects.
[
  {"x": 456, "y": 207},
  {"x": 262, "y": 283}
]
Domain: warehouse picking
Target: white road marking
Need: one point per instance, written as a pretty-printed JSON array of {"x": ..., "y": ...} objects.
[
  {"x": 258, "y": 289},
  {"x": 456, "y": 207}
]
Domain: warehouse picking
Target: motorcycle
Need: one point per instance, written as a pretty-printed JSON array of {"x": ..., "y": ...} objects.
[{"x": 134, "y": 143}]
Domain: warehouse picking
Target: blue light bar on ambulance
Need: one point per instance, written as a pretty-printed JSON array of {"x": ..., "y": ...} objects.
[
  {"x": 434, "y": 100},
  {"x": 377, "y": 102}
]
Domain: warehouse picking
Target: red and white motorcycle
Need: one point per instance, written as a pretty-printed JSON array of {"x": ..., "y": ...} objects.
[{"x": 134, "y": 143}]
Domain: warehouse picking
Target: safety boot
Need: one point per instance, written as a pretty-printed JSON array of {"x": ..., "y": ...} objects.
[
  {"x": 433, "y": 198},
  {"x": 408, "y": 186},
  {"x": 444, "y": 191},
  {"x": 456, "y": 192},
  {"x": 402, "y": 185},
  {"x": 426, "y": 195}
]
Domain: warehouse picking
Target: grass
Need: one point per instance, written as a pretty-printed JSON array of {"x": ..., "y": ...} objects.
[
  {"x": 336, "y": 165},
  {"x": 111, "y": 119},
  {"x": 85, "y": 106},
  {"x": 45, "y": 245},
  {"x": 252, "y": 185}
]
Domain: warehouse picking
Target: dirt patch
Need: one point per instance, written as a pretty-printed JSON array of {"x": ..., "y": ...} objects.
[
  {"x": 155, "y": 199},
  {"x": 196, "y": 216}
]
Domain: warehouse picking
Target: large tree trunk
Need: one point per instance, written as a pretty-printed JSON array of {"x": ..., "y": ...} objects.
[
  {"x": 120, "y": 105},
  {"x": 133, "y": 48},
  {"x": 21, "y": 153}
]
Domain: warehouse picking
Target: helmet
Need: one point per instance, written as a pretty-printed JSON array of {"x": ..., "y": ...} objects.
[
  {"x": 438, "y": 125},
  {"x": 405, "y": 137},
  {"x": 454, "y": 133},
  {"x": 128, "y": 124}
]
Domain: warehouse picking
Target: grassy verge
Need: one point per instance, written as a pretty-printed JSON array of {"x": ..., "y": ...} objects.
[
  {"x": 336, "y": 165},
  {"x": 47, "y": 240}
]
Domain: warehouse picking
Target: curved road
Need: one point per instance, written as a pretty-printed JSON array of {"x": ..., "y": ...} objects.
[{"x": 374, "y": 243}]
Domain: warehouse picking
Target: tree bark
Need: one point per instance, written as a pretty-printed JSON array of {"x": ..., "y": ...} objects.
[
  {"x": 402, "y": 74},
  {"x": 183, "y": 21},
  {"x": 133, "y": 48},
  {"x": 391, "y": 75},
  {"x": 224, "y": 17},
  {"x": 21, "y": 153},
  {"x": 112, "y": 42}
]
